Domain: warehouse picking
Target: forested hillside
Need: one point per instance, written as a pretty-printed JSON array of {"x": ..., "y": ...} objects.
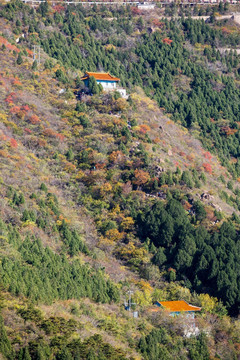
[
  {"x": 103, "y": 196},
  {"x": 210, "y": 102}
]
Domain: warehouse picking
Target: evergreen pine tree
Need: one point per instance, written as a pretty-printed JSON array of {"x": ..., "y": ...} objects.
[
  {"x": 5, "y": 345},
  {"x": 91, "y": 355},
  {"x": 93, "y": 86},
  {"x": 21, "y": 199},
  {"x": 19, "y": 59},
  {"x": 15, "y": 199},
  {"x": 34, "y": 65},
  {"x": 43, "y": 187},
  {"x": 64, "y": 355}
]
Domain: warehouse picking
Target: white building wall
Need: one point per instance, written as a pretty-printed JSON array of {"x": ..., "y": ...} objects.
[
  {"x": 107, "y": 85},
  {"x": 110, "y": 86},
  {"x": 122, "y": 92}
]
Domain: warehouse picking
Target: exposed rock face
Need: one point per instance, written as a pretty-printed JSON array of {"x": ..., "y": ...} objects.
[
  {"x": 158, "y": 170},
  {"x": 206, "y": 196}
]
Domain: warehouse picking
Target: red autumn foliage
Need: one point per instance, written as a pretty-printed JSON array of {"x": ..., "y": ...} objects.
[
  {"x": 30, "y": 53},
  {"x": 100, "y": 166},
  {"x": 25, "y": 108},
  {"x": 17, "y": 82},
  {"x": 19, "y": 111},
  {"x": 156, "y": 140},
  {"x": 167, "y": 41},
  {"x": 28, "y": 131},
  {"x": 4, "y": 154},
  {"x": 187, "y": 206},
  {"x": 42, "y": 143},
  {"x": 144, "y": 128},
  {"x": 208, "y": 156},
  {"x": 226, "y": 30},
  {"x": 51, "y": 133},
  {"x": 15, "y": 109},
  {"x": 190, "y": 157},
  {"x": 135, "y": 10},
  {"x": 8, "y": 45},
  {"x": 228, "y": 131},
  {"x": 13, "y": 143},
  {"x": 182, "y": 153},
  {"x": 157, "y": 23},
  {"x": 61, "y": 137},
  {"x": 34, "y": 119},
  {"x": 58, "y": 8},
  {"x": 207, "y": 167},
  {"x": 10, "y": 98},
  {"x": 3, "y": 137}
]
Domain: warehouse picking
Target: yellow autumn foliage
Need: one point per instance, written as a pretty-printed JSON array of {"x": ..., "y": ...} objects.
[
  {"x": 208, "y": 303},
  {"x": 114, "y": 235},
  {"x": 127, "y": 223}
]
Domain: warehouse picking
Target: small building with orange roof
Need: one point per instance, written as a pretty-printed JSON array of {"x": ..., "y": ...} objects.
[
  {"x": 178, "y": 307},
  {"x": 107, "y": 81}
]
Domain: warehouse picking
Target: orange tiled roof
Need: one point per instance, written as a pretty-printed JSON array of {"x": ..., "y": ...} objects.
[
  {"x": 100, "y": 76},
  {"x": 179, "y": 305}
]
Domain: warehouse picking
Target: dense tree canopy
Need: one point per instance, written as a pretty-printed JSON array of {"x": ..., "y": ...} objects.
[{"x": 208, "y": 260}]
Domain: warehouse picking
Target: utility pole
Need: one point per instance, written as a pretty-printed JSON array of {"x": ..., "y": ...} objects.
[
  {"x": 36, "y": 53},
  {"x": 129, "y": 302},
  {"x": 130, "y": 292}
]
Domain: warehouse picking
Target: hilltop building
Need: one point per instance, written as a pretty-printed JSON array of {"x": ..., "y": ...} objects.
[
  {"x": 105, "y": 79},
  {"x": 176, "y": 308},
  {"x": 108, "y": 82}
]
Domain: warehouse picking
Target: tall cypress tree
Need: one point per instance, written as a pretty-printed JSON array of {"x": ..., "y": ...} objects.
[{"x": 93, "y": 86}]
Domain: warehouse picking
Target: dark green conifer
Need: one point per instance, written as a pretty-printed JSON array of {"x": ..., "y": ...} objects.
[{"x": 19, "y": 59}]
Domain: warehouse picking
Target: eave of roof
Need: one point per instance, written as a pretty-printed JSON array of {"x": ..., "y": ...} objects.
[
  {"x": 100, "y": 76},
  {"x": 178, "y": 306}
]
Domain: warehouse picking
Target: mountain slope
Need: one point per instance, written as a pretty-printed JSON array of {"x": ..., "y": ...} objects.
[{"x": 101, "y": 195}]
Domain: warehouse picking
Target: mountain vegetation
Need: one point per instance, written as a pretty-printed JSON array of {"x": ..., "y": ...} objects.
[{"x": 103, "y": 196}]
